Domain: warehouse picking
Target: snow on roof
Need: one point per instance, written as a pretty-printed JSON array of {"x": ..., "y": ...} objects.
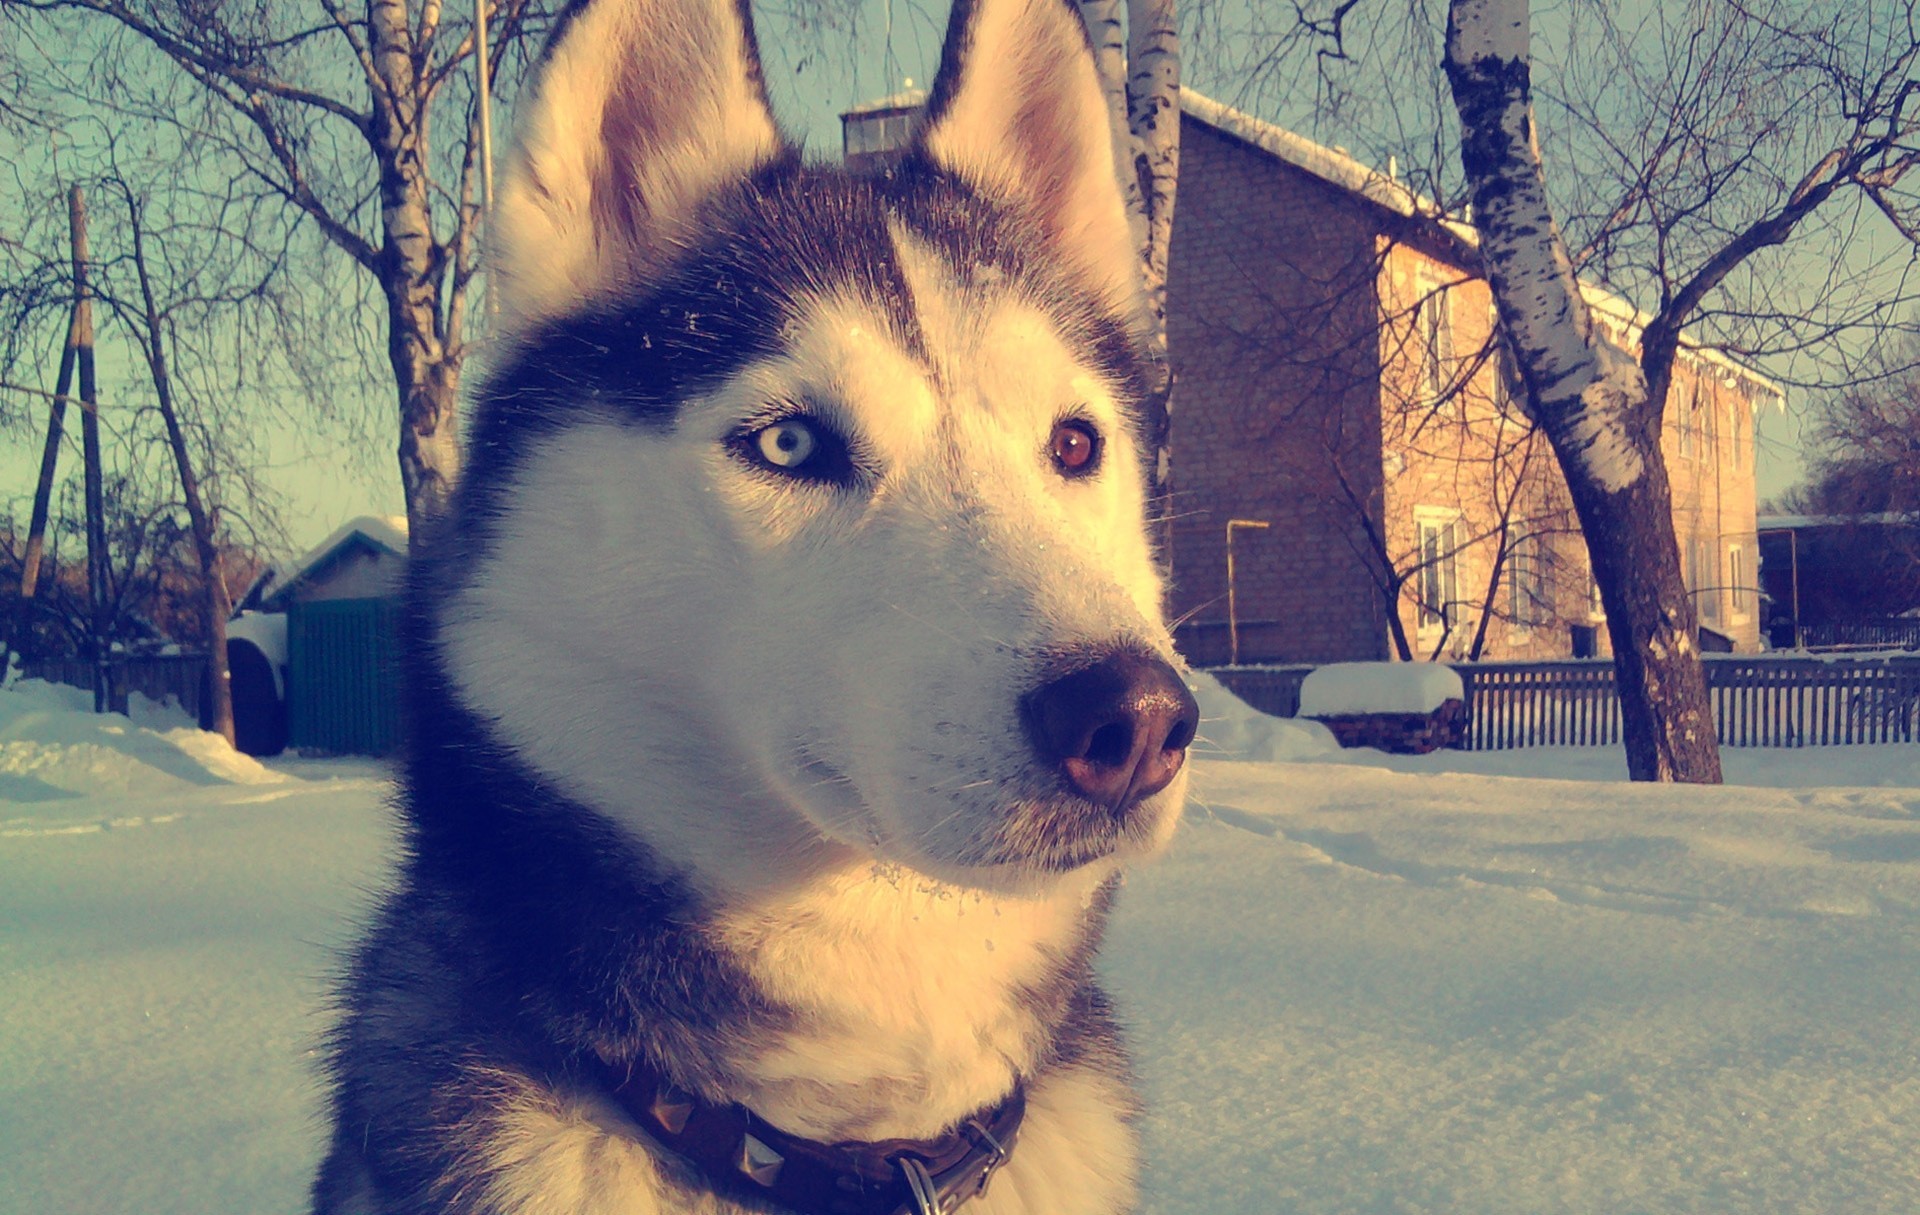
[
  {"x": 905, "y": 99},
  {"x": 1794, "y": 522},
  {"x": 1337, "y": 168},
  {"x": 1328, "y": 164},
  {"x": 1378, "y": 687},
  {"x": 387, "y": 532}
]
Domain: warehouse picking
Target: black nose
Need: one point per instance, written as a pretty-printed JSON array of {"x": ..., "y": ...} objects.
[{"x": 1118, "y": 727}]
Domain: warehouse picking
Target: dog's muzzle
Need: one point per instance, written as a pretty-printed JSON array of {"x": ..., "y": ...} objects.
[{"x": 1116, "y": 728}]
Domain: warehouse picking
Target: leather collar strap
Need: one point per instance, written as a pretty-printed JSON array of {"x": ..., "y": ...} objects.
[{"x": 738, "y": 1154}]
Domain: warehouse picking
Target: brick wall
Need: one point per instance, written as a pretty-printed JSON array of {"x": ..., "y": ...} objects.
[
  {"x": 1299, "y": 402},
  {"x": 1271, "y": 331}
]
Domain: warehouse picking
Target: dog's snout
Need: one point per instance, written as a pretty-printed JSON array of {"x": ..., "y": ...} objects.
[{"x": 1117, "y": 728}]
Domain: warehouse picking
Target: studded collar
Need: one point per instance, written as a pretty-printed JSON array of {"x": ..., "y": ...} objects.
[{"x": 739, "y": 1154}]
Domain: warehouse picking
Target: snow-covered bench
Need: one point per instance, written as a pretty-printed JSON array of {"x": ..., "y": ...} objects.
[{"x": 1407, "y": 707}]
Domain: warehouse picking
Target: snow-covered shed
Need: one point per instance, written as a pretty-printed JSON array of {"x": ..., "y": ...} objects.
[
  {"x": 364, "y": 558},
  {"x": 333, "y": 617}
]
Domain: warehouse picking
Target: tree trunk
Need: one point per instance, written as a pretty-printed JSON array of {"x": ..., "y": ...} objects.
[
  {"x": 215, "y": 604},
  {"x": 43, "y": 488},
  {"x": 98, "y": 616},
  {"x": 1588, "y": 396},
  {"x": 425, "y": 360},
  {"x": 1140, "y": 76}
]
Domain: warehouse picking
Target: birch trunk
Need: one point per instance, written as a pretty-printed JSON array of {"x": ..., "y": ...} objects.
[
  {"x": 1588, "y": 396},
  {"x": 426, "y": 374},
  {"x": 1138, "y": 58}
]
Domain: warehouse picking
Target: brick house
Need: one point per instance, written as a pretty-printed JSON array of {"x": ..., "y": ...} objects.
[
  {"x": 1341, "y": 428},
  {"x": 1338, "y": 384}
]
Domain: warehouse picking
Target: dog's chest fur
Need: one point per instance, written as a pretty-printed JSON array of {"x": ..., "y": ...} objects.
[{"x": 914, "y": 1001}]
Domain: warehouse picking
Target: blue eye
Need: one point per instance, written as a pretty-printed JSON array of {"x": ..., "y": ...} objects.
[
  {"x": 787, "y": 444},
  {"x": 800, "y": 446}
]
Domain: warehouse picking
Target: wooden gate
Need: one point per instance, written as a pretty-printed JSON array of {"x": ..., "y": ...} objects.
[{"x": 343, "y": 678}]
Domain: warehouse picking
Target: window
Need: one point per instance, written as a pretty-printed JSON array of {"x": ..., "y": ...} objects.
[
  {"x": 1433, "y": 330},
  {"x": 1686, "y": 421},
  {"x": 1737, "y": 425},
  {"x": 1708, "y": 414},
  {"x": 1527, "y": 600},
  {"x": 1737, "y": 580},
  {"x": 1439, "y": 573},
  {"x": 1703, "y": 581}
]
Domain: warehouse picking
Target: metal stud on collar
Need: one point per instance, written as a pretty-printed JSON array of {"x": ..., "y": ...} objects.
[
  {"x": 759, "y": 1161},
  {"x": 926, "y": 1195}
]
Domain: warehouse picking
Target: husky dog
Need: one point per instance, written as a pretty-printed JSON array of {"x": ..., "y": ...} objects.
[{"x": 789, "y": 683}]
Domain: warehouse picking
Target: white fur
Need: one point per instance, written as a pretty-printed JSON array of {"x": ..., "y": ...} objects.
[
  {"x": 846, "y": 666},
  {"x": 589, "y": 203},
  {"x": 1029, "y": 124},
  {"x": 805, "y": 698}
]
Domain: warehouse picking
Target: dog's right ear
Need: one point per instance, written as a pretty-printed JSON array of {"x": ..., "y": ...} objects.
[{"x": 638, "y": 112}]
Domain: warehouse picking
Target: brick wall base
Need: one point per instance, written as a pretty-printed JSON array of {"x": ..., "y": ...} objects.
[{"x": 1402, "y": 733}]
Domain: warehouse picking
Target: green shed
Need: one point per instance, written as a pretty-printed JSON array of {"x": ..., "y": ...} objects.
[{"x": 343, "y": 677}]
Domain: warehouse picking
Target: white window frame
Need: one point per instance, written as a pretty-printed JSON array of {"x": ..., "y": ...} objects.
[
  {"x": 1686, "y": 424},
  {"x": 1703, "y": 581},
  {"x": 1433, "y": 338},
  {"x": 1737, "y": 579},
  {"x": 1528, "y": 601},
  {"x": 1438, "y": 578}
]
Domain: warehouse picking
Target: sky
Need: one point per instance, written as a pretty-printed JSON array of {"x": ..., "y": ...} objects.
[{"x": 878, "y": 46}]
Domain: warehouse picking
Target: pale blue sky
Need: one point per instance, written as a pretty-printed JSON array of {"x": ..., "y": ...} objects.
[{"x": 329, "y": 475}]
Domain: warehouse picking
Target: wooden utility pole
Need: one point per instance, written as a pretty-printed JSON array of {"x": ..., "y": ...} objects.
[
  {"x": 90, "y": 452},
  {"x": 43, "y": 489}
]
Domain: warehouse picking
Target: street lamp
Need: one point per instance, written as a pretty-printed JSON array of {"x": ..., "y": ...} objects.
[{"x": 1233, "y": 614}]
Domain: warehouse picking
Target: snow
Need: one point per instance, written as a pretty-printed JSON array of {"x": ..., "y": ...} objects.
[
  {"x": 387, "y": 531},
  {"x": 1232, "y": 730},
  {"x": 268, "y": 632},
  {"x": 1471, "y": 984},
  {"x": 1378, "y": 687}
]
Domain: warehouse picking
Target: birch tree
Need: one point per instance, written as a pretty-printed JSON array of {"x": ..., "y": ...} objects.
[
  {"x": 364, "y": 125},
  {"x": 1602, "y": 408},
  {"x": 1136, "y": 46}
]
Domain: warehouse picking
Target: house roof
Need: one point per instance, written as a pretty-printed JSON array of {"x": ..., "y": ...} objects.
[
  {"x": 1337, "y": 168},
  {"x": 382, "y": 533},
  {"x": 906, "y": 99}
]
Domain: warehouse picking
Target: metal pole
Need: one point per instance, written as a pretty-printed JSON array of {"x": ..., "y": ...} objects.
[
  {"x": 1233, "y": 610},
  {"x": 485, "y": 69}
]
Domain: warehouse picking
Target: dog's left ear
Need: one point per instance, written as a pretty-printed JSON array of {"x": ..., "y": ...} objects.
[
  {"x": 639, "y": 111},
  {"x": 1017, "y": 112}
]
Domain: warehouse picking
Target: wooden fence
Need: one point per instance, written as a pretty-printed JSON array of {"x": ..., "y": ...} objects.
[
  {"x": 1894, "y": 633},
  {"x": 158, "y": 677},
  {"x": 1758, "y": 701}
]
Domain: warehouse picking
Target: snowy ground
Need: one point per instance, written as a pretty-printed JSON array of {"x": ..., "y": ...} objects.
[{"x": 1356, "y": 985}]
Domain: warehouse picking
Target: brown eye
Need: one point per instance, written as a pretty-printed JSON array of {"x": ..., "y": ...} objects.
[{"x": 1075, "y": 447}]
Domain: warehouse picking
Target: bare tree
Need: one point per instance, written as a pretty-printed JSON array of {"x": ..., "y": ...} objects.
[
  {"x": 1602, "y": 408},
  {"x": 1730, "y": 164},
  {"x": 151, "y": 329},
  {"x": 336, "y": 113}
]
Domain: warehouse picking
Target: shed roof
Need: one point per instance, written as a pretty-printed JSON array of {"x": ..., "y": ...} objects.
[{"x": 381, "y": 533}]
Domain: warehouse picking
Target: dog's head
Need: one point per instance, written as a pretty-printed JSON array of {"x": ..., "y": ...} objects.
[{"x": 806, "y": 512}]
